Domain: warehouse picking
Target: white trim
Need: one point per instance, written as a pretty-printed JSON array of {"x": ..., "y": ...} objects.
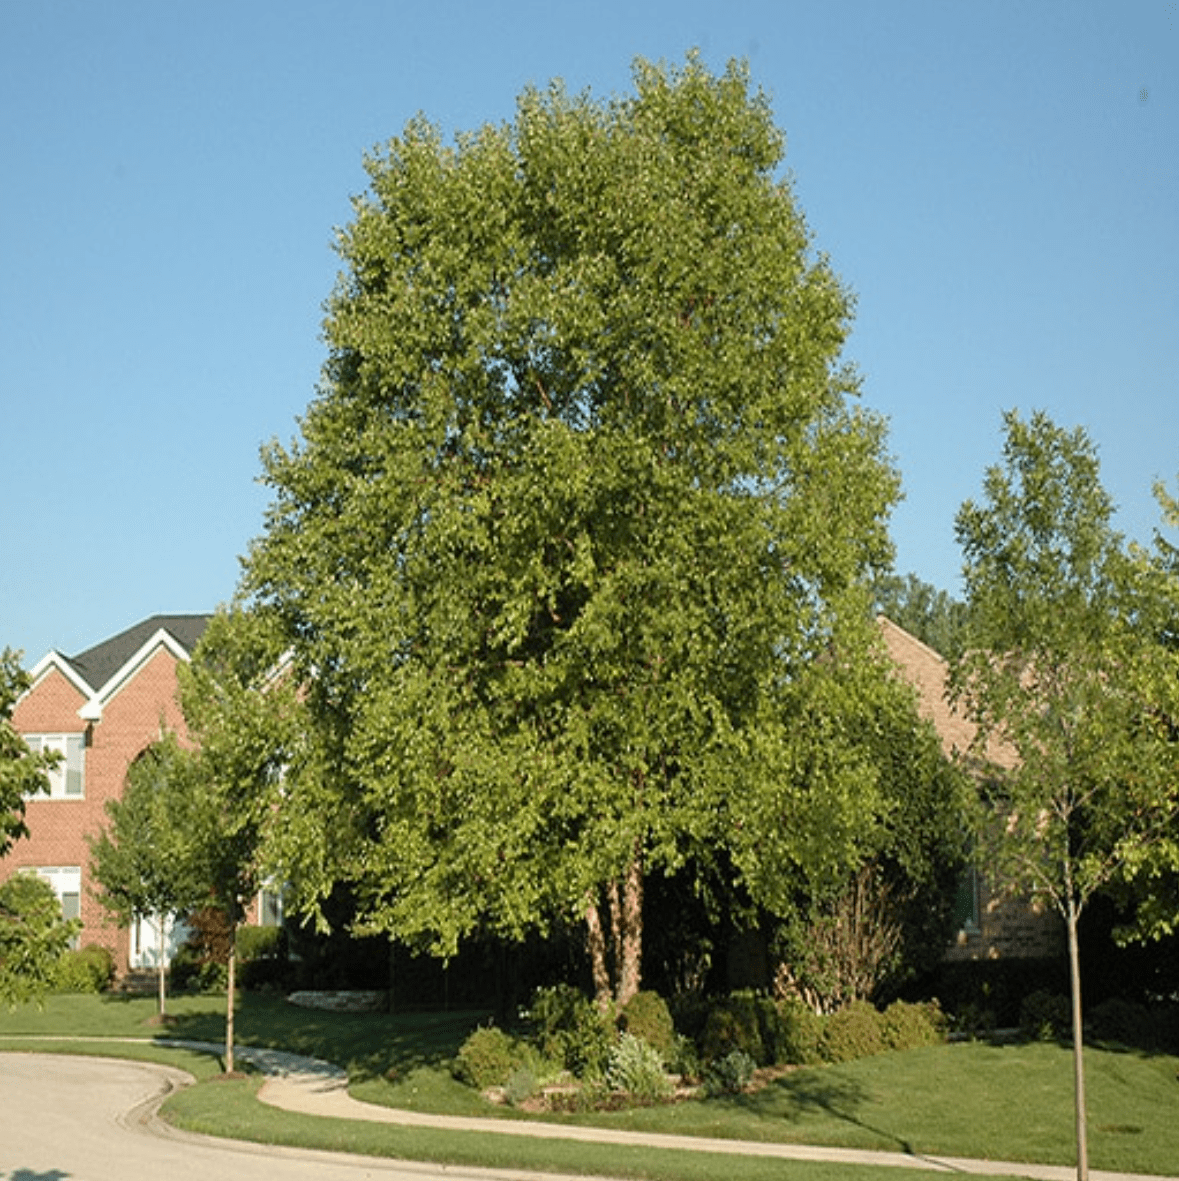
[
  {"x": 55, "y": 660},
  {"x": 162, "y": 638}
]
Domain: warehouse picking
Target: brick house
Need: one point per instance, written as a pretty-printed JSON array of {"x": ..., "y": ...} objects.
[
  {"x": 100, "y": 710},
  {"x": 991, "y": 925}
]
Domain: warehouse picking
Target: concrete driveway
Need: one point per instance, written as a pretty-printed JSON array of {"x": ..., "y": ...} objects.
[{"x": 91, "y": 1119}]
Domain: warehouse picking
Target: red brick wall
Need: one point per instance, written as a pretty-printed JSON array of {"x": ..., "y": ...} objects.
[{"x": 133, "y": 718}]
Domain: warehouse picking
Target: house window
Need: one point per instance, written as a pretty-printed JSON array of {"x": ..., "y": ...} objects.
[
  {"x": 67, "y": 781},
  {"x": 966, "y": 903},
  {"x": 67, "y": 885},
  {"x": 269, "y": 907}
]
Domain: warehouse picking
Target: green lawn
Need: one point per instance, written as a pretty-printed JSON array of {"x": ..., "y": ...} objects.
[{"x": 998, "y": 1102}]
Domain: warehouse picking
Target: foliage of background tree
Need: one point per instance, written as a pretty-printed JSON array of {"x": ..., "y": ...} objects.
[
  {"x": 22, "y": 773},
  {"x": 572, "y": 556},
  {"x": 1065, "y": 663},
  {"x": 239, "y": 709},
  {"x": 934, "y": 616},
  {"x": 890, "y": 918},
  {"x": 1148, "y": 882},
  {"x": 144, "y": 858},
  {"x": 33, "y": 938}
]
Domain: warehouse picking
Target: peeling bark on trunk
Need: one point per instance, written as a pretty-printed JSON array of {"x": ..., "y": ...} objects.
[
  {"x": 629, "y": 952},
  {"x": 616, "y": 958},
  {"x": 596, "y": 939}
]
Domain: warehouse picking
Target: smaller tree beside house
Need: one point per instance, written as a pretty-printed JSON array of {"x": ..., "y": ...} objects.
[
  {"x": 143, "y": 859},
  {"x": 240, "y": 714},
  {"x": 1065, "y": 665}
]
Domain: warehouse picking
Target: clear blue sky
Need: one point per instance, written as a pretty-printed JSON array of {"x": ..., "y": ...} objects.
[{"x": 998, "y": 182}]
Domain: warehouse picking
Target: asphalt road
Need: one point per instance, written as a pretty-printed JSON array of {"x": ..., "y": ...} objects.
[{"x": 90, "y": 1119}]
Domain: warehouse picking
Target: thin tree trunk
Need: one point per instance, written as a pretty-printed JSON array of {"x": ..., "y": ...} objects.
[
  {"x": 596, "y": 940},
  {"x": 1074, "y": 970},
  {"x": 161, "y": 973},
  {"x": 229, "y": 1006}
]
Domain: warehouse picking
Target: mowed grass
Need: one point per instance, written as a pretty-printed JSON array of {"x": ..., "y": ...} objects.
[{"x": 1009, "y": 1102}]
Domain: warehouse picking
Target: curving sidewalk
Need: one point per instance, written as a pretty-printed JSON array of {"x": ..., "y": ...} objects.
[{"x": 312, "y": 1087}]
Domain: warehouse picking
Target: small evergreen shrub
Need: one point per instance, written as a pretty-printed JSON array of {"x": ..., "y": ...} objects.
[
  {"x": 905, "y": 1026},
  {"x": 648, "y": 1017},
  {"x": 636, "y": 1068},
  {"x": 486, "y": 1059},
  {"x": 89, "y": 969},
  {"x": 1045, "y": 1016},
  {"x": 729, "y": 1075},
  {"x": 852, "y": 1032}
]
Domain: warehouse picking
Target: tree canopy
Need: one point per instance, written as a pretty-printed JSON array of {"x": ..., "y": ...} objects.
[
  {"x": 572, "y": 555},
  {"x": 33, "y": 937},
  {"x": 144, "y": 857},
  {"x": 934, "y": 616},
  {"x": 239, "y": 709},
  {"x": 1065, "y": 662}
]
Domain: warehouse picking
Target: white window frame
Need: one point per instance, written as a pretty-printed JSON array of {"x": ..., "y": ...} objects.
[
  {"x": 270, "y": 906},
  {"x": 67, "y": 781},
  {"x": 66, "y": 882}
]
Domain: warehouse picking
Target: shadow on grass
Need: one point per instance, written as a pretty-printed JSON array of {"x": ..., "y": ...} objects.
[
  {"x": 794, "y": 1096},
  {"x": 367, "y": 1045}
]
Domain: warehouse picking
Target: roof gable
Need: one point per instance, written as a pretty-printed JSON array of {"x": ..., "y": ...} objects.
[
  {"x": 100, "y": 672},
  {"x": 929, "y": 674},
  {"x": 97, "y": 665}
]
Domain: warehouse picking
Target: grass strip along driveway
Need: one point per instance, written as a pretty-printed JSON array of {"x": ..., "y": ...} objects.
[{"x": 969, "y": 1100}]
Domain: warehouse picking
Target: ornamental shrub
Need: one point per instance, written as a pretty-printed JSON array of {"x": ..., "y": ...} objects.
[
  {"x": 89, "y": 969},
  {"x": 1045, "y": 1016},
  {"x": 569, "y": 1030},
  {"x": 260, "y": 943},
  {"x": 637, "y": 1069},
  {"x": 905, "y": 1026},
  {"x": 733, "y": 1024},
  {"x": 486, "y": 1059},
  {"x": 522, "y": 1084},
  {"x": 684, "y": 1058},
  {"x": 800, "y": 1033},
  {"x": 730, "y": 1075},
  {"x": 648, "y": 1017},
  {"x": 852, "y": 1032},
  {"x": 192, "y": 970},
  {"x": 1123, "y": 1022}
]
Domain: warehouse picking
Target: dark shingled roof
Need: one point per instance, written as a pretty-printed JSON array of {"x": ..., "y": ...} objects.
[{"x": 97, "y": 665}]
